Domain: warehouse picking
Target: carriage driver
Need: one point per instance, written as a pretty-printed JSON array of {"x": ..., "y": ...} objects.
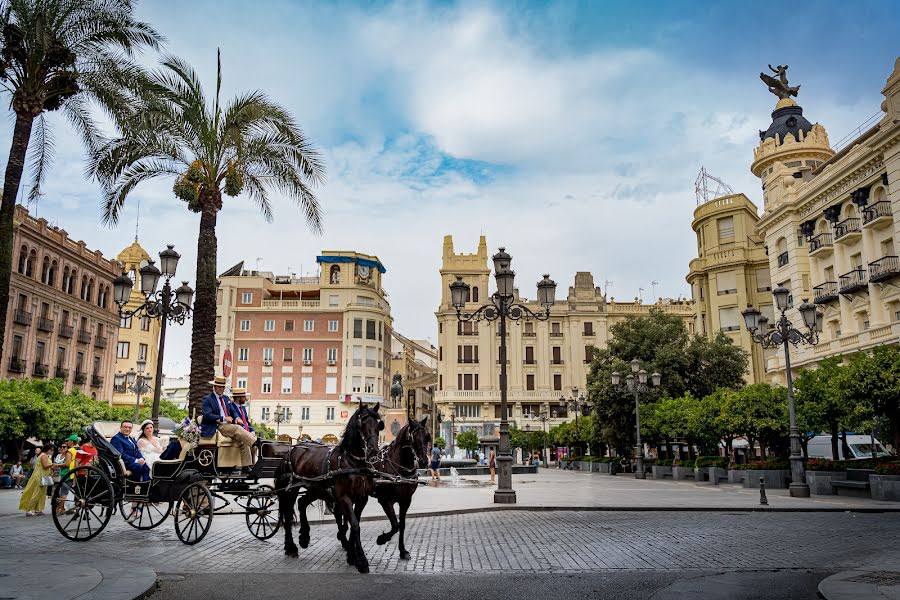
[
  {"x": 217, "y": 413},
  {"x": 240, "y": 415}
]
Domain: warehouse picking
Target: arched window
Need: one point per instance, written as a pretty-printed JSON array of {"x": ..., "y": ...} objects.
[
  {"x": 90, "y": 290},
  {"x": 84, "y": 287},
  {"x": 475, "y": 294},
  {"x": 334, "y": 275},
  {"x": 102, "y": 293},
  {"x": 73, "y": 278},
  {"x": 45, "y": 270},
  {"x": 32, "y": 263},
  {"x": 51, "y": 276},
  {"x": 23, "y": 260},
  {"x": 781, "y": 245}
]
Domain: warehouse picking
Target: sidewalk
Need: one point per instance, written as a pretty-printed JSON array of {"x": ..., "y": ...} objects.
[{"x": 38, "y": 576}]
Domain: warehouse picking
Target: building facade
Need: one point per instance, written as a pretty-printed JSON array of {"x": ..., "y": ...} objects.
[
  {"x": 416, "y": 362},
  {"x": 730, "y": 271},
  {"x": 831, "y": 222},
  {"x": 307, "y": 348},
  {"x": 138, "y": 337},
  {"x": 546, "y": 358},
  {"x": 62, "y": 319}
]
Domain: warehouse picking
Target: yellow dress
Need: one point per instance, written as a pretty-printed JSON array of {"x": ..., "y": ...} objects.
[{"x": 34, "y": 496}]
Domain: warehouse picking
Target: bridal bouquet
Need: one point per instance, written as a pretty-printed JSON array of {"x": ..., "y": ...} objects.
[{"x": 188, "y": 431}]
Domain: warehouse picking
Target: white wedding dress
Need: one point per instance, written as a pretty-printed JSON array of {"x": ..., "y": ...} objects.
[{"x": 150, "y": 450}]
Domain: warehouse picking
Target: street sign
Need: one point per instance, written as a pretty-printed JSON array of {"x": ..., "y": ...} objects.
[
  {"x": 226, "y": 363},
  {"x": 345, "y": 414}
]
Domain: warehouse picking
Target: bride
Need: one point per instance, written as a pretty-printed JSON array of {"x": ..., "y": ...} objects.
[{"x": 148, "y": 444}]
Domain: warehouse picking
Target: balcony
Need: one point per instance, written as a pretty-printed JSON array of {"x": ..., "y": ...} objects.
[
  {"x": 61, "y": 373},
  {"x": 728, "y": 328},
  {"x": 65, "y": 331},
  {"x": 464, "y": 332},
  {"x": 556, "y": 334},
  {"x": 884, "y": 269},
  {"x": 847, "y": 230},
  {"x": 84, "y": 337},
  {"x": 45, "y": 324},
  {"x": 100, "y": 342},
  {"x": 821, "y": 245},
  {"x": 467, "y": 361},
  {"x": 22, "y": 318},
  {"x": 80, "y": 377},
  {"x": 589, "y": 333},
  {"x": 96, "y": 381},
  {"x": 557, "y": 361},
  {"x": 119, "y": 388},
  {"x": 529, "y": 334},
  {"x": 530, "y": 362},
  {"x": 16, "y": 365},
  {"x": 825, "y": 293},
  {"x": 783, "y": 259},
  {"x": 854, "y": 281},
  {"x": 878, "y": 215},
  {"x": 40, "y": 370}
]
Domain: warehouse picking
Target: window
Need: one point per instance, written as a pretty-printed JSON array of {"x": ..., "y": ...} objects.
[
  {"x": 334, "y": 275},
  {"x": 304, "y": 413},
  {"x": 370, "y": 385},
  {"x": 371, "y": 356},
  {"x": 145, "y": 323},
  {"x": 467, "y": 381},
  {"x": 245, "y": 325},
  {"x": 289, "y": 325},
  {"x": 288, "y": 354},
  {"x": 557, "y": 381},
  {"x": 332, "y": 325},
  {"x": 726, "y": 228},
  {"x": 356, "y": 383},
  {"x": 243, "y": 354},
  {"x": 247, "y": 298},
  {"x": 529, "y": 329},
  {"x": 357, "y": 356},
  {"x": 726, "y": 283},
  {"x": 218, "y": 324},
  {"x": 307, "y": 355},
  {"x": 729, "y": 319},
  {"x": 39, "y": 352},
  {"x": 379, "y": 331},
  {"x": 218, "y": 297},
  {"x": 332, "y": 300},
  {"x": 331, "y": 385},
  {"x": 370, "y": 329},
  {"x": 242, "y": 382},
  {"x": 763, "y": 281},
  {"x": 588, "y": 328},
  {"x": 555, "y": 330},
  {"x": 329, "y": 413},
  {"x": 497, "y": 411},
  {"x": 269, "y": 325},
  {"x": 266, "y": 385},
  {"x": 588, "y": 354},
  {"x": 123, "y": 350},
  {"x": 357, "y": 329},
  {"x": 529, "y": 355},
  {"x": 125, "y": 323},
  {"x": 142, "y": 352},
  {"x": 264, "y": 413},
  {"x": 557, "y": 355},
  {"x": 268, "y": 354},
  {"x": 60, "y": 356},
  {"x": 306, "y": 384},
  {"x": 308, "y": 325},
  {"x": 332, "y": 355},
  {"x": 468, "y": 411},
  {"x": 475, "y": 294},
  {"x": 286, "y": 384},
  {"x": 529, "y": 382},
  {"x": 467, "y": 354}
]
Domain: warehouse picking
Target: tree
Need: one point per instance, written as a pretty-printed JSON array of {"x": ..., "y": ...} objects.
[
  {"x": 440, "y": 442},
  {"x": 263, "y": 431},
  {"x": 60, "y": 55},
  {"x": 819, "y": 402},
  {"x": 871, "y": 384},
  {"x": 467, "y": 440},
  {"x": 758, "y": 413},
  {"x": 251, "y": 145}
]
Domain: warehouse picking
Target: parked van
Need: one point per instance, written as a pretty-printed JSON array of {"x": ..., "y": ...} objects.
[{"x": 860, "y": 447}]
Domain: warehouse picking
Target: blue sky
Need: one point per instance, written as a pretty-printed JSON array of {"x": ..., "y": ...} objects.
[{"x": 569, "y": 132}]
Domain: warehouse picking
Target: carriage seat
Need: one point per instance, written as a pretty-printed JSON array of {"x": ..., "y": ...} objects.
[{"x": 218, "y": 439}]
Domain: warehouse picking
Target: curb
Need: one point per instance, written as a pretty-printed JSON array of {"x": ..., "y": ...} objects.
[
  {"x": 860, "y": 585},
  {"x": 118, "y": 580}
]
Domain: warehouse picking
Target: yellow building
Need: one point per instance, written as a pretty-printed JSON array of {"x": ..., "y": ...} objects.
[
  {"x": 831, "y": 222},
  {"x": 546, "y": 358},
  {"x": 730, "y": 271},
  {"x": 138, "y": 337}
]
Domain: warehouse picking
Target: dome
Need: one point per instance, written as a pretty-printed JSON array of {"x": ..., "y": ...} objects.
[{"x": 786, "y": 118}]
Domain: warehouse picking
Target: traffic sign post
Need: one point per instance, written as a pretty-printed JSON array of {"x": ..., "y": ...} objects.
[{"x": 226, "y": 363}]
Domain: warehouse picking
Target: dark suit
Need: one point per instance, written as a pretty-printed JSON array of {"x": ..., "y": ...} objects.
[
  {"x": 130, "y": 455},
  {"x": 239, "y": 411},
  {"x": 212, "y": 414}
]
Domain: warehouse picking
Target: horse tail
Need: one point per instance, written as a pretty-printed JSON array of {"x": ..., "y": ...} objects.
[{"x": 282, "y": 480}]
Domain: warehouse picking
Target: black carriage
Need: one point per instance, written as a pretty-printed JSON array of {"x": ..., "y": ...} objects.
[{"x": 187, "y": 488}]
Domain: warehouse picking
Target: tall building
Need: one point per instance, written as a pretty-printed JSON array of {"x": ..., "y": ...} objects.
[
  {"x": 138, "y": 336},
  {"x": 307, "y": 348},
  {"x": 546, "y": 358},
  {"x": 62, "y": 319},
  {"x": 730, "y": 271},
  {"x": 831, "y": 222},
  {"x": 416, "y": 362}
]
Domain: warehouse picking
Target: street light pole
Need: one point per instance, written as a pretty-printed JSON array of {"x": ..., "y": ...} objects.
[
  {"x": 784, "y": 334},
  {"x": 636, "y": 386},
  {"x": 576, "y": 403},
  {"x": 139, "y": 384},
  {"x": 503, "y": 306}
]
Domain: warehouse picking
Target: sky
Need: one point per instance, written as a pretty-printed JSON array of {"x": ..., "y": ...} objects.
[{"x": 569, "y": 132}]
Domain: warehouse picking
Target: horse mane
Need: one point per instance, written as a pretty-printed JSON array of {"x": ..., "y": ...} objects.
[{"x": 351, "y": 435}]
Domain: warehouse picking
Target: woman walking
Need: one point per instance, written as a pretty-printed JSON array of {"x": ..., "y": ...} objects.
[
  {"x": 492, "y": 463},
  {"x": 35, "y": 494}
]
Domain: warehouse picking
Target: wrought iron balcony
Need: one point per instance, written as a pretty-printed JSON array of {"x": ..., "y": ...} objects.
[
  {"x": 529, "y": 334},
  {"x": 590, "y": 333},
  {"x": 467, "y": 361},
  {"x": 84, "y": 337},
  {"x": 80, "y": 377},
  {"x": 45, "y": 324},
  {"x": 556, "y": 334},
  {"x": 853, "y": 281},
  {"x": 16, "y": 365},
  {"x": 62, "y": 373},
  {"x": 822, "y": 243},
  {"x": 877, "y": 214},
  {"x": 22, "y": 318},
  {"x": 119, "y": 388},
  {"x": 827, "y": 292},
  {"x": 884, "y": 268},
  {"x": 96, "y": 381},
  {"x": 556, "y": 361},
  {"x": 783, "y": 259},
  {"x": 847, "y": 229},
  {"x": 65, "y": 331},
  {"x": 40, "y": 369},
  {"x": 100, "y": 342}
]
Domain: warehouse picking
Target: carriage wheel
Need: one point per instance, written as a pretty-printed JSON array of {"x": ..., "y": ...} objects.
[
  {"x": 89, "y": 505},
  {"x": 193, "y": 513},
  {"x": 151, "y": 514},
  {"x": 262, "y": 513}
]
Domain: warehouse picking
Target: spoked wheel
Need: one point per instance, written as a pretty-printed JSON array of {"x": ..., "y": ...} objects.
[
  {"x": 262, "y": 513},
  {"x": 149, "y": 514},
  {"x": 89, "y": 503},
  {"x": 193, "y": 513}
]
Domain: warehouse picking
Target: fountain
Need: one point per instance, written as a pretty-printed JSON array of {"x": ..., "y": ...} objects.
[{"x": 454, "y": 476}]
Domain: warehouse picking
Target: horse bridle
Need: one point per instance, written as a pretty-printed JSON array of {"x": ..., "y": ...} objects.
[{"x": 366, "y": 458}]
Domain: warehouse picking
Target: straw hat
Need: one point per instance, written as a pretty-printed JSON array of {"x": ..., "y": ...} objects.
[
  {"x": 218, "y": 381},
  {"x": 238, "y": 393}
]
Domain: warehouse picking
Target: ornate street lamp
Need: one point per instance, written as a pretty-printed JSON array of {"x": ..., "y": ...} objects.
[
  {"x": 165, "y": 305},
  {"x": 502, "y": 307},
  {"x": 577, "y": 404},
  {"x": 279, "y": 417},
  {"x": 636, "y": 383},
  {"x": 783, "y": 333},
  {"x": 139, "y": 383}
]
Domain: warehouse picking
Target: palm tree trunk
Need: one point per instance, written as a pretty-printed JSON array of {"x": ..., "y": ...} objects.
[
  {"x": 204, "y": 332},
  {"x": 14, "y": 168}
]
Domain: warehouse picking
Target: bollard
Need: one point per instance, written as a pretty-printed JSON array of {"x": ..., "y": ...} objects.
[{"x": 762, "y": 491}]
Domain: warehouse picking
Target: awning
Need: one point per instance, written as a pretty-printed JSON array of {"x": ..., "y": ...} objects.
[{"x": 350, "y": 259}]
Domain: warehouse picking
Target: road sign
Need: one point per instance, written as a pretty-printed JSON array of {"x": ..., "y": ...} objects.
[{"x": 226, "y": 363}]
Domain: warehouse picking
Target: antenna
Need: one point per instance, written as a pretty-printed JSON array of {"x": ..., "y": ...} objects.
[
  {"x": 606, "y": 285},
  {"x": 654, "y": 283},
  {"x": 137, "y": 221},
  {"x": 257, "y": 264},
  {"x": 707, "y": 187},
  {"x": 641, "y": 294}
]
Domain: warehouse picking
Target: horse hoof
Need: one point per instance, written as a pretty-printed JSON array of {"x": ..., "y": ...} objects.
[
  {"x": 405, "y": 555},
  {"x": 291, "y": 552},
  {"x": 303, "y": 541},
  {"x": 362, "y": 567},
  {"x": 382, "y": 539}
]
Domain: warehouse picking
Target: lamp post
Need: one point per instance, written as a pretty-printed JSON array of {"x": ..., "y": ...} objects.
[
  {"x": 138, "y": 383},
  {"x": 636, "y": 386},
  {"x": 279, "y": 417},
  {"x": 166, "y": 305},
  {"x": 543, "y": 417},
  {"x": 527, "y": 443},
  {"x": 503, "y": 306},
  {"x": 576, "y": 403},
  {"x": 452, "y": 434},
  {"x": 784, "y": 334}
]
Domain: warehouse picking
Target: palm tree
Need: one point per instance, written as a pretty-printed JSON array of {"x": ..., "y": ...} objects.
[
  {"x": 59, "y": 55},
  {"x": 252, "y": 145}
]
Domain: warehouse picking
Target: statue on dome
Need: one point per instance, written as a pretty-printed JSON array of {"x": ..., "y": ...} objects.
[{"x": 779, "y": 86}]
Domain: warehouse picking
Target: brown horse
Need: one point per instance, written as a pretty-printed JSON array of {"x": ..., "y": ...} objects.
[{"x": 341, "y": 476}]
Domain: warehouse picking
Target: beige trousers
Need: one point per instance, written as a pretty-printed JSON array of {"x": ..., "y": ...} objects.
[{"x": 243, "y": 438}]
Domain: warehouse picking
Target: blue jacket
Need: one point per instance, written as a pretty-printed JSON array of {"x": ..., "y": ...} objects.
[
  {"x": 212, "y": 414},
  {"x": 240, "y": 412},
  {"x": 127, "y": 447}
]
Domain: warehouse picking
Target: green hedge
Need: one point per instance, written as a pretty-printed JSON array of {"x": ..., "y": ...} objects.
[
  {"x": 665, "y": 462},
  {"x": 821, "y": 464},
  {"x": 712, "y": 461},
  {"x": 771, "y": 464}
]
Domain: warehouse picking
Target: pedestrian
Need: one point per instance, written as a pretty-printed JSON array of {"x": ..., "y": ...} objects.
[
  {"x": 35, "y": 494},
  {"x": 18, "y": 474},
  {"x": 435, "y": 464},
  {"x": 71, "y": 446},
  {"x": 6, "y": 481},
  {"x": 492, "y": 463}
]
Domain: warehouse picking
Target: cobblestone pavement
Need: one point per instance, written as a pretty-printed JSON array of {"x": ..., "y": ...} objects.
[{"x": 511, "y": 541}]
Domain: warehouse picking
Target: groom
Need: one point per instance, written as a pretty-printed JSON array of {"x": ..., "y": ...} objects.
[
  {"x": 217, "y": 411},
  {"x": 131, "y": 456}
]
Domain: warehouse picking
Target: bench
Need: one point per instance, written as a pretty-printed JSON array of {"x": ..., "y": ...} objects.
[{"x": 856, "y": 484}]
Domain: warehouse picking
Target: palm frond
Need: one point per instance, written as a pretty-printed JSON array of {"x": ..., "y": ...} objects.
[
  {"x": 42, "y": 151},
  {"x": 114, "y": 196}
]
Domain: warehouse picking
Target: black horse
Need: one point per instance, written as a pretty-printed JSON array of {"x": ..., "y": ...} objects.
[
  {"x": 341, "y": 476},
  {"x": 403, "y": 457}
]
